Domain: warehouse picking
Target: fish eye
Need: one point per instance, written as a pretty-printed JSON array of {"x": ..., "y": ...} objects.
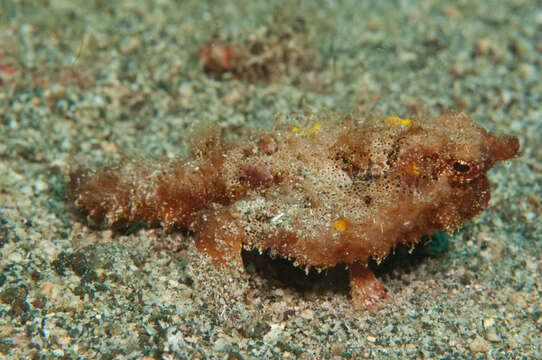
[
  {"x": 463, "y": 171},
  {"x": 461, "y": 166}
]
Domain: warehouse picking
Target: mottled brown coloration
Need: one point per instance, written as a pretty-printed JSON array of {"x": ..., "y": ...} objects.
[{"x": 336, "y": 193}]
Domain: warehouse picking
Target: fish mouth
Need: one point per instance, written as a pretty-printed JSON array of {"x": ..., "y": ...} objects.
[
  {"x": 465, "y": 201},
  {"x": 475, "y": 199}
]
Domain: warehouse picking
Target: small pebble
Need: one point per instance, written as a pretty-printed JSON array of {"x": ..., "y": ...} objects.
[
  {"x": 489, "y": 322},
  {"x": 479, "y": 345},
  {"x": 40, "y": 186},
  {"x": 274, "y": 335},
  {"x": 221, "y": 344},
  {"x": 493, "y": 336}
]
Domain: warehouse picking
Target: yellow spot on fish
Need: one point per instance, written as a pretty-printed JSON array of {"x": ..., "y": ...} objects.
[
  {"x": 340, "y": 225},
  {"x": 396, "y": 120},
  {"x": 412, "y": 169},
  {"x": 315, "y": 128},
  {"x": 239, "y": 191}
]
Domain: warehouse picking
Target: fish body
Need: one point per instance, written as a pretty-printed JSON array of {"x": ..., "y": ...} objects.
[{"x": 333, "y": 193}]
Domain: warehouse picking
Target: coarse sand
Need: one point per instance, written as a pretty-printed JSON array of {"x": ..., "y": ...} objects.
[{"x": 86, "y": 83}]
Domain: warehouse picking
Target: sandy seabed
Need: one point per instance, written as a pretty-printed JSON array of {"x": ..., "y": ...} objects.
[{"x": 88, "y": 83}]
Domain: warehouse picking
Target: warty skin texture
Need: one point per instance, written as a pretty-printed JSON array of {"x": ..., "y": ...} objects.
[{"x": 334, "y": 193}]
